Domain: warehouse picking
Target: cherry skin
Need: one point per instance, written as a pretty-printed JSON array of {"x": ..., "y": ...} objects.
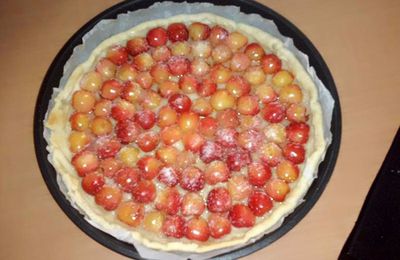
[{"x": 157, "y": 37}]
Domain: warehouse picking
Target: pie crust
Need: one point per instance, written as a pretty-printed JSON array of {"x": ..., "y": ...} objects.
[{"x": 57, "y": 122}]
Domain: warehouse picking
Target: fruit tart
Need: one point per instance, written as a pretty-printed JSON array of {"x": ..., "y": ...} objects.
[{"x": 191, "y": 133}]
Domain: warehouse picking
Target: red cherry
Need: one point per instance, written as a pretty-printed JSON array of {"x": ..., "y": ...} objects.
[
  {"x": 132, "y": 92},
  {"x": 144, "y": 79},
  {"x": 149, "y": 166},
  {"x": 177, "y": 32},
  {"x": 193, "y": 141},
  {"x": 258, "y": 174},
  {"x": 241, "y": 216},
  {"x": 127, "y": 131},
  {"x": 144, "y": 192},
  {"x": 93, "y": 182},
  {"x": 218, "y": 35},
  {"x": 206, "y": 88},
  {"x": 192, "y": 204},
  {"x": 260, "y": 203},
  {"x": 208, "y": 126},
  {"x": 178, "y": 65},
  {"x": 197, "y": 229},
  {"x": 127, "y": 178},
  {"x": 157, "y": 37},
  {"x": 210, "y": 151},
  {"x": 123, "y": 110},
  {"x": 192, "y": 179},
  {"x": 180, "y": 102},
  {"x": 85, "y": 162},
  {"x": 294, "y": 153},
  {"x": 219, "y": 225},
  {"x": 216, "y": 172},
  {"x": 237, "y": 158},
  {"x": 226, "y": 137},
  {"x": 111, "y": 89},
  {"x": 145, "y": 118},
  {"x": 169, "y": 201},
  {"x": 188, "y": 83},
  {"x": 117, "y": 55},
  {"x": 174, "y": 226},
  {"x": 199, "y": 31},
  {"x": 254, "y": 51},
  {"x": 160, "y": 72},
  {"x": 161, "y": 53},
  {"x": 219, "y": 200},
  {"x": 107, "y": 147},
  {"x": 298, "y": 132},
  {"x": 137, "y": 45},
  {"x": 228, "y": 118},
  {"x": 250, "y": 139},
  {"x": 108, "y": 197},
  {"x": 110, "y": 166},
  {"x": 271, "y": 64},
  {"x": 273, "y": 112},
  {"x": 169, "y": 176}
]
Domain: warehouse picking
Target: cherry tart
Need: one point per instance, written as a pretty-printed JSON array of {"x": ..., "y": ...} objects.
[{"x": 191, "y": 131}]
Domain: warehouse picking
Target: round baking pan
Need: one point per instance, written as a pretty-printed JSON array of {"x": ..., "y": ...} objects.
[{"x": 54, "y": 75}]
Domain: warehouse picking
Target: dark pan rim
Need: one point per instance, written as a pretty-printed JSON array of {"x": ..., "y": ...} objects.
[{"x": 55, "y": 72}]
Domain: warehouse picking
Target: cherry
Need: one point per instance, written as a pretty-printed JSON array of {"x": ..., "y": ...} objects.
[
  {"x": 239, "y": 187},
  {"x": 160, "y": 72},
  {"x": 143, "y": 61},
  {"x": 180, "y": 102},
  {"x": 101, "y": 126},
  {"x": 188, "y": 121},
  {"x": 298, "y": 132},
  {"x": 210, "y": 151},
  {"x": 216, "y": 172},
  {"x": 197, "y": 229},
  {"x": 177, "y": 32},
  {"x": 254, "y": 51},
  {"x": 199, "y": 67},
  {"x": 144, "y": 192},
  {"x": 168, "y": 88},
  {"x": 255, "y": 75},
  {"x": 273, "y": 112},
  {"x": 137, "y": 45},
  {"x": 222, "y": 100},
  {"x": 271, "y": 64},
  {"x": 297, "y": 113},
  {"x": 106, "y": 68},
  {"x": 110, "y": 166},
  {"x": 111, "y": 89},
  {"x": 123, "y": 110},
  {"x": 192, "y": 179},
  {"x": 192, "y": 204},
  {"x": 258, "y": 174},
  {"x": 221, "y": 53},
  {"x": 208, "y": 126},
  {"x": 193, "y": 141},
  {"x": 219, "y": 225},
  {"x": 174, "y": 226},
  {"x": 161, "y": 53},
  {"x": 126, "y": 72},
  {"x": 102, "y": 107},
  {"x": 146, "y": 119},
  {"x": 294, "y": 153},
  {"x": 108, "y": 197},
  {"x": 226, "y": 137},
  {"x": 199, "y": 31},
  {"x": 178, "y": 65},
  {"x": 83, "y": 101},
  {"x": 151, "y": 100},
  {"x": 291, "y": 94},
  {"x": 127, "y": 131},
  {"x": 275, "y": 133},
  {"x": 91, "y": 81},
  {"x": 149, "y": 166},
  {"x": 282, "y": 78},
  {"x": 228, "y": 118},
  {"x": 271, "y": 154},
  {"x": 250, "y": 139},
  {"x": 130, "y": 213},
  {"x": 107, "y": 147},
  {"x": 167, "y": 116},
  {"x": 117, "y": 55},
  {"x": 202, "y": 107},
  {"x": 79, "y": 141},
  {"x": 259, "y": 203},
  {"x": 169, "y": 201},
  {"x": 157, "y": 37},
  {"x": 188, "y": 83},
  {"x": 220, "y": 74},
  {"x": 218, "y": 35},
  {"x": 219, "y": 200},
  {"x": 171, "y": 134},
  {"x": 265, "y": 93},
  {"x": 129, "y": 155},
  {"x": 206, "y": 88},
  {"x": 238, "y": 86},
  {"x": 287, "y": 171},
  {"x": 154, "y": 221},
  {"x": 85, "y": 162},
  {"x": 239, "y": 62},
  {"x": 236, "y": 41},
  {"x": 93, "y": 182},
  {"x": 167, "y": 155},
  {"x": 169, "y": 176},
  {"x": 248, "y": 105},
  {"x": 127, "y": 178},
  {"x": 241, "y": 216},
  {"x": 144, "y": 79},
  {"x": 201, "y": 49},
  {"x": 132, "y": 92},
  {"x": 237, "y": 159},
  {"x": 277, "y": 189},
  {"x": 180, "y": 49}
]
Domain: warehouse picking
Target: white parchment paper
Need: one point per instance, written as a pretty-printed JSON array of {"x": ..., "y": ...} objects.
[{"x": 107, "y": 28}]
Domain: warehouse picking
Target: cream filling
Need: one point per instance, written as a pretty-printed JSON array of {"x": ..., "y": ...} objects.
[{"x": 60, "y": 156}]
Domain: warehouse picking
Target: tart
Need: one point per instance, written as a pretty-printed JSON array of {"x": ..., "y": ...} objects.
[{"x": 192, "y": 133}]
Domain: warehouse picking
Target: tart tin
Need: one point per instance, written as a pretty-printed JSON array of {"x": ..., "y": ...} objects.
[{"x": 55, "y": 73}]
